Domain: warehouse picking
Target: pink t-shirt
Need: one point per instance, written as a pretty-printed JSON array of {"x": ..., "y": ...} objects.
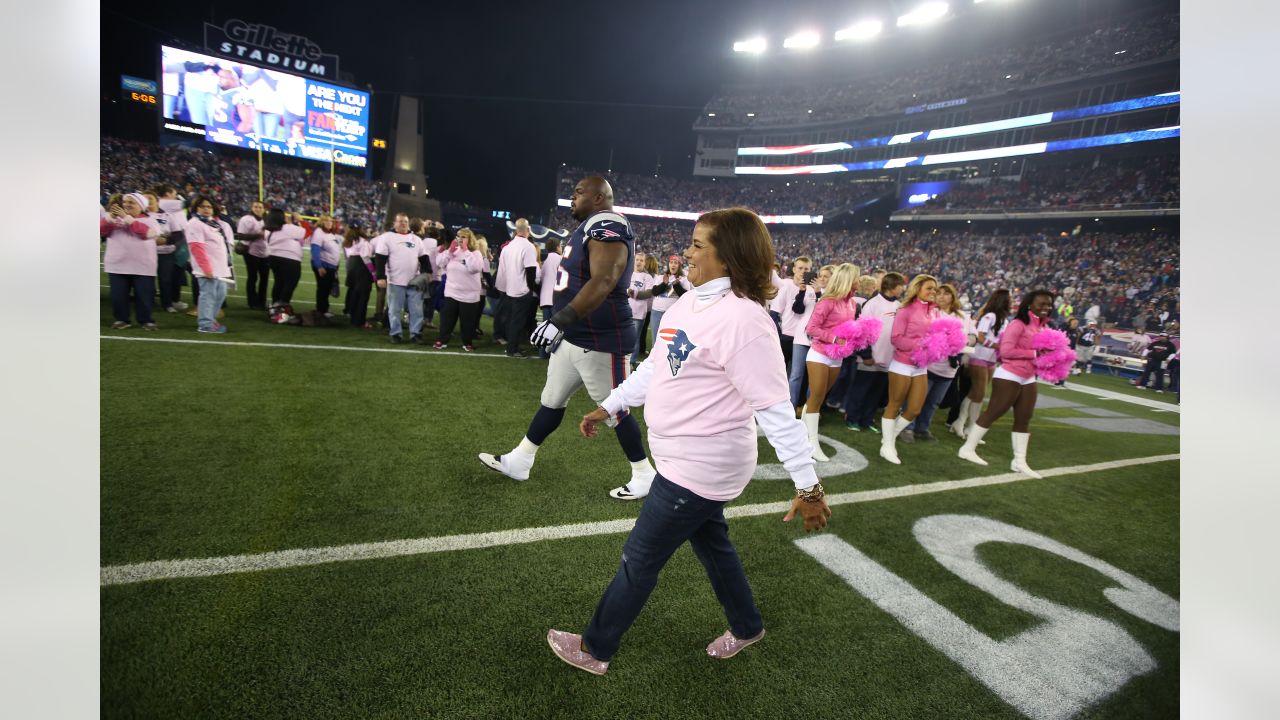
[
  {"x": 517, "y": 256},
  {"x": 662, "y": 302},
  {"x": 463, "y": 268},
  {"x": 550, "y": 269},
  {"x": 286, "y": 242},
  {"x": 250, "y": 225},
  {"x": 882, "y": 351},
  {"x": 640, "y": 281},
  {"x": 402, "y": 253},
  {"x": 794, "y": 324},
  {"x": 330, "y": 246},
  {"x": 162, "y": 222},
  {"x": 210, "y": 248},
  {"x": 712, "y": 369},
  {"x": 131, "y": 247}
]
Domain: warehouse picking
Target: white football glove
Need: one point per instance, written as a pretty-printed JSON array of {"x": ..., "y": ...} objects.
[{"x": 546, "y": 335}]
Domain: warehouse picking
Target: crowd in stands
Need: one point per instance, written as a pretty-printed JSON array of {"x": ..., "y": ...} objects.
[
  {"x": 1146, "y": 181},
  {"x": 126, "y": 166},
  {"x": 797, "y": 195},
  {"x": 1020, "y": 66},
  {"x": 1131, "y": 278}
]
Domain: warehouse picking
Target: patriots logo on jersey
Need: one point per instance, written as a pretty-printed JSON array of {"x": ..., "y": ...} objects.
[{"x": 678, "y": 348}]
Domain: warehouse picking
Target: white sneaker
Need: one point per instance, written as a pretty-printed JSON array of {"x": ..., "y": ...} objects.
[
  {"x": 171, "y": 309},
  {"x": 180, "y": 305},
  {"x": 514, "y": 465}
]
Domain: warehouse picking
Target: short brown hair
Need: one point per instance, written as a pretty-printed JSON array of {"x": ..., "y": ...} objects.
[
  {"x": 744, "y": 245},
  {"x": 892, "y": 280}
]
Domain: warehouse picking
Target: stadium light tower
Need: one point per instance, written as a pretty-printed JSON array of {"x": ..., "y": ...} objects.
[
  {"x": 755, "y": 45},
  {"x": 806, "y": 40},
  {"x": 864, "y": 30},
  {"x": 924, "y": 14}
]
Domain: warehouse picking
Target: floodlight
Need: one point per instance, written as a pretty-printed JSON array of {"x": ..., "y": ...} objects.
[
  {"x": 924, "y": 14},
  {"x": 802, "y": 41},
  {"x": 864, "y": 30},
  {"x": 754, "y": 45}
]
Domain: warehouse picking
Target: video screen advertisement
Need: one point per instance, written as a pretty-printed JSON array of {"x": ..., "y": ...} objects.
[{"x": 234, "y": 103}]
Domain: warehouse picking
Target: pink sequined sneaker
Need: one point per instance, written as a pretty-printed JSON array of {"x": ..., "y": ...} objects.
[
  {"x": 568, "y": 647},
  {"x": 726, "y": 646}
]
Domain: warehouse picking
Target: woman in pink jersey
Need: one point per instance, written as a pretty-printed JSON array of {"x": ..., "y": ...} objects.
[
  {"x": 715, "y": 368},
  {"x": 907, "y": 381},
  {"x": 1014, "y": 383},
  {"x": 209, "y": 239},
  {"x": 666, "y": 290},
  {"x": 838, "y": 305},
  {"x": 463, "y": 296},
  {"x": 360, "y": 275},
  {"x": 130, "y": 260},
  {"x": 285, "y": 242}
]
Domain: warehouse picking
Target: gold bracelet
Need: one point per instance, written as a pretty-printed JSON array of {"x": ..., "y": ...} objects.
[{"x": 813, "y": 494}]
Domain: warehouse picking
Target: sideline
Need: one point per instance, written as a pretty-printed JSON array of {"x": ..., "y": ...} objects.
[
  {"x": 1113, "y": 395},
  {"x": 281, "y": 559},
  {"x": 425, "y": 351}
]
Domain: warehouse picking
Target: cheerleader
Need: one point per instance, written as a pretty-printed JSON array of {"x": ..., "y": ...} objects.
[
  {"x": 1013, "y": 385},
  {"x": 991, "y": 321},
  {"x": 835, "y": 307},
  {"x": 907, "y": 382},
  {"x": 941, "y": 373}
]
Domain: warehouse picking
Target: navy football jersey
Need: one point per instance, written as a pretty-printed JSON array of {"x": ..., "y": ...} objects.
[
  {"x": 223, "y": 111},
  {"x": 609, "y": 328}
]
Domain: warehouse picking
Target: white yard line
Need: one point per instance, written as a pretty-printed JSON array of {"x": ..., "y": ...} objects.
[
  {"x": 1123, "y": 397},
  {"x": 281, "y": 559},
  {"x": 425, "y": 351}
]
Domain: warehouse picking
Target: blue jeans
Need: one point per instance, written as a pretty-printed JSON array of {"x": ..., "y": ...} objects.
[
  {"x": 398, "y": 298},
  {"x": 212, "y": 293},
  {"x": 655, "y": 321},
  {"x": 144, "y": 295},
  {"x": 635, "y": 353},
  {"x": 799, "y": 373},
  {"x": 937, "y": 390},
  {"x": 670, "y": 516}
]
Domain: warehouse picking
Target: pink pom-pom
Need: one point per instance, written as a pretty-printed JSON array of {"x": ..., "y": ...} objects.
[
  {"x": 944, "y": 338},
  {"x": 857, "y": 334},
  {"x": 1055, "y": 356}
]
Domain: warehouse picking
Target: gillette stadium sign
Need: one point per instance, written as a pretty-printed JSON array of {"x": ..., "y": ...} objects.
[{"x": 265, "y": 46}]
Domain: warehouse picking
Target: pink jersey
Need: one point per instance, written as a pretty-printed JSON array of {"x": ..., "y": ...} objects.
[
  {"x": 550, "y": 269},
  {"x": 909, "y": 327},
  {"x": 250, "y": 225},
  {"x": 360, "y": 248},
  {"x": 210, "y": 247},
  {"x": 882, "y": 351},
  {"x": 330, "y": 246},
  {"x": 640, "y": 281},
  {"x": 131, "y": 245},
  {"x": 826, "y": 317},
  {"x": 712, "y": 369},
  {"x": 516, "y": 257},
  {"x": 1016, "y": 354},
  {"x": 162, "y": 222},
  {"x": 287, "y": 242},
  {"x": 661, "y": 303},
  {"x": 463, "y": 268},
  {"x": 402, "y": 251}
]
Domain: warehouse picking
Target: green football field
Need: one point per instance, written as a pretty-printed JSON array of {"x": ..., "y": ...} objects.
[{"x": 294, "y": 524}]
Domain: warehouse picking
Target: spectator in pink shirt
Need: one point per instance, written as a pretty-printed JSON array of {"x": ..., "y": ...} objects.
[
  {"x": 715, "y": 373},
  {"x": 463, "y": 295},
  {"x": 130, "y": 259},
  {"x": 517, "y": 281},
  {"x": 209, "y": 239}
]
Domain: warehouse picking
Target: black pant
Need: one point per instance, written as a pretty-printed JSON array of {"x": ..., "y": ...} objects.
[
  {"x": 167, "y": 280},
  {"x": 359, "y": 287},
  {"x": 961, "y": 390},
  {"x": 285, "y": 273},
  {"x": 324, "y": 285},
  {"x": 519, "y": 310},
  {"x": 470, "y": 314},
  {"x": 144, "y": 294},
  {"x": 788, "y": 342},
  {"x": 867, "y": 393},
  {"x": 1152, "y": 368},
  {"x": 501, "y": 318},
  {"x": 256, "y": 287}
]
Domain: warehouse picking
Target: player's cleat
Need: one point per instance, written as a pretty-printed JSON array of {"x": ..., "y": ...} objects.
[
  {"x": 568, "y": 647},
  {"x": 726, "y": 646},
  {"x": 514, "y": 465},
  {"x": 622, "y": 493}
]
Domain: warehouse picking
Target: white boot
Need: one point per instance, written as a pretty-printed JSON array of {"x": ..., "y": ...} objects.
[
  {"x": 888, "y": 436},
  {"x": 975, "y": 411},
  {"x": 811, "y": 424},
  {"x": 1019, "y": 463},
  {"x": 968, "y": 451},
  {"x": 962, "y": 419}
]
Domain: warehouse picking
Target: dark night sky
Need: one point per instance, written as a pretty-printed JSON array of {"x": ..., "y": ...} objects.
[{"x": 608, "y": 56}]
